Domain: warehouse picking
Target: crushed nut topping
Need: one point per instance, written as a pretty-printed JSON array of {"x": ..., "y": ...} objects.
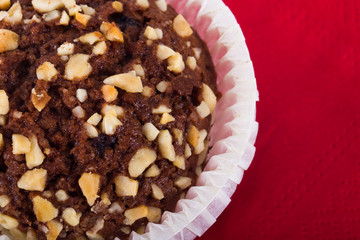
[
  {"x": 9, "y": 40},
  {"x": 115, "y": 208},
  {"x": 154, "y": 214},
  {"x": 118, "y": 6},
  {"x": 150, "y": 131},
  {"x": 4, "y": 200},
  {"x": 110, "y": 123},
  {"x": 20, "y": 144},
  {"x": 201, "y": 144},
  {"x": 183, "y": 182},
  {"x": 112, "y": 32},
  {"x": 153, "y": 171},
  {"x": 88, "y": 10},
  {"x": 72, "y": 7},
  {"x": 182, "y": 27},
  {"x": 33, "y": 180},
  {"x": 141, "y": 160},
  {"x": 128, "y": 82},
  {"x": 34, "y": 18},
  {"x": 109, "y": 93},
  {"x": 71, "y": 217},
  {"x": 95, "y": 119},
  {"x": 61, "y": 195},
  {"x": 39, "y": 99},
  {"x": 82, "y": 18},
  {"x": 91, "y": 131},
  {"x": 126, "y": 186},
  {"x": 35, "y": 156},
  {"x": 65, "y": 49},
  {"x": 81, "y": 95},
  {"x": 148, "y": 92},
  {"x": 139, "y": 70},
  {"x": 193, "y": 136},
  {"x": 143, "y": 4},
  {"x": 44, "y": 210},
  {"x": 164, "y": 52},
  {"x": 136, "y": 213},
  {"x": 179, "y": 162},
  {"x": 92, "y": 38},
  {"x": 161, "y": 109},
  {"x": 54, "y": 230},
  {"x": 78, "y": 112},
  {"x": 165, "y": 145},
  {"x": 187, "y": 151},
  {"x": 64, "y": 19},
  {"x": 1, "y": 142},
  {"x": 162, "y": 86},
  {"x": 197, "y": 52},
  {"x": 157, "y": 193},
  {"x": 153, "y": 33},
  {"x": 179, "y": 135},
  {"x": 44, "y": 6},
  {"x": 78, "y": 67},
  {"x": 46, "y": 71},
  {"x": 203, "y": 110},
  {"x": 4, "y": 103},
  {"x": 176, "y": 63},
  {"x": 8, "y": 222},
  {"x": 100, "y": 48},
  {"x": 93, "y": 232},
  {"x": 162, "y": 5},
  {"x": 191, "y": 63},
  {"x": 119, "y": 111},
  {"x": 166, "y": 118},
  {"x": 50, "y": 16},
  {"x": 14, "y": 14},
  {"x": 209, "y": 97},
  {"x": 90, "y": 184}
]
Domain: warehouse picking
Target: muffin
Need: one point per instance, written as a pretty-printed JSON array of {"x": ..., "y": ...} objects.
[{"x": 105, "y": 112}]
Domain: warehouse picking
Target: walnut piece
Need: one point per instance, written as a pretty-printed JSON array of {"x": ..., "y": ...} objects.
[
  {"x": 193, "y": 136},
  {"x": 71, "y": 217},
  {"x": 4, "y": 200},
  {"x": 125, "y": 186},
  {"x": 182, "y": 27},
  {"x": 112, "y": 32},
  {"x": 118, "y": 6},
  {"x": 20, "y": 144},
  {"x": 44, "y": 6},
  {"x": 54, "y": 229},
  {"x": 92, "y": 38},
  {"x": 44, "y": 210},
  {"x": 8, "y": 222},
  {"x": 35, "y": 156},
  {"x": 9, "y": 40},
  {"x": 183, "y": 182},
  {"x": 153, "y": 171},
  {"x": 39, "y": 99},
  {"x": 78, "y": 67},
  {"x": 90, "y": 184},
  {"x": 157, "y": 193},
  {"x": 142, "y": 159},
  {"x": 150, "y": 131},
  {"x": 33, "y": 180},
  {"x": 136, "y": 213},
  {"x": 203, "y": 110},
  {"x": 164, "y": 52},
  {"x": 154, "y": 214},
  {"x": 109, "y": 93},
  {"x": 162, "y": 5},
  {"x": 176, "y": 63},
  {"x": 65, "y": 49},
  {"x": 126, "y": 81},
  {"x": 209, "y": 97},
  {"x": 46, "y": 71},
  {"x": 4, "y": 103},
  {"x": 166, "y": 147}
]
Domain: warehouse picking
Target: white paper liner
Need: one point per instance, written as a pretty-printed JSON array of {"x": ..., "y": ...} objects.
[{"x": 233, "y": 134}]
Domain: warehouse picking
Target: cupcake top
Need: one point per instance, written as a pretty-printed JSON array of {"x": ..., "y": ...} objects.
[{"x": 105, "y": 110}]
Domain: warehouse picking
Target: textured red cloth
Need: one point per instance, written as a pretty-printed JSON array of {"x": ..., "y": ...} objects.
[{"x": 304, "y": 182}]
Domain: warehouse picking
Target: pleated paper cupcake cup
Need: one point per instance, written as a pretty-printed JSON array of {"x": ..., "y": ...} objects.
[{"x": 233, "y": 133}]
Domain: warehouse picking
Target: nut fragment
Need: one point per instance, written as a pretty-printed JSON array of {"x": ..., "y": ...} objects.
[
  {"x": 100, "y": 48},
  {"x": 166, "y": 118},
  {"x": 183, "y": 182},
  {"x": 203, "y": 110},
  {"x": 82, "y": 18},
  {"x": 5, "y": 4},
  {"x": 61, "y": 195},
  {"x": 162, "y": 5},
  {"x": 4, "y": 103},
  {"x": 35, "y": 156},
  {"x": 139, "y": 70},
  {"x": 162, "y": 86},
  {"x": 209, "y": 97},
  {"x": 118, "y": 6},
  {"x": 109, "y": 93},
  {"x": 126, "y": 81},
  {"x": 179, "y": 135},
  {"x": 164, "y": 52},
  {"x": 72, "y": 7},
  {"x": 153, "y": 171},
  {"x": 8, "y": 222},
  {"x": 54, "y": 229},
  {"x": 2, "y": 117},
  {"x": 201, "y": 146},
  {"x": 153, "y": 33},
  {"x": 34, "y": 19},
  {"x": 142, "y": 159},
  {"x": 182, "y": 27},
  {"x": 81, "y": 95},
  {"x": 144, "y": 4},
  {"x": 4, "y": 200},
  {"x": 71, "y": 217},
  {"x": 193, "y": 136},
  {"x": 44, "y": 210},
  {"x": 154, "y": 214},
  {"x": 112, "y": 32},
  {"x": 64, "y": 19},
  {"x": 165, "y": 145},
  {"x": 161, "y": 109},
  {"x": 197, "y": 52},
  {"x": 150, "y": 131},
  {"x": 95, "y": 119},
  {"x": 20, "y": 144},
  {"x": 33, "y": 180},
  {"x": 110, "y": 123},
  {"x": 157, "y": 193},
  {"x": 91, "y": 131},
  {"x": 39, "y": 99},
  {"x": 187, "y": 151},
  {"x": 126, "y": 186},
  {"x": 78, "y": 67},
  {"x": 65, "y": 49},
  {"x": 115, "y": 208},
  {"x": 51, "y": 15},
  {"x": 14, "y": 14},
  {"x": 133, "y": 214},
  {"x": 191, "y": 63},
  {"x": 147, "y": 92},
  {"x": 179, "y": 162},
  {"x": 87, "y": 10},
  {"x": 78, "y": 112},
  {"x": 89, "y": 184},
  {"x": 105, "y": 199},
  {"x": 43, "y": 6},
  {"x": 176, "y": 63},
  {"x": 119, "y": 111},
  {"x": 46, "y": 71},
  {"x": 92, "y": 233},
  {"x": 8, "y": 40},
  {"x": 91, "y": 38}
]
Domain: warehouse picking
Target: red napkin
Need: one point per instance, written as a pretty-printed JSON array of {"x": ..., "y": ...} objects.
[{"x": 304, "y": 182}]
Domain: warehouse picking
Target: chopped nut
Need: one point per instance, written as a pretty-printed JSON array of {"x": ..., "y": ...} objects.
[
  {"x": 110, "y": 123},
  {"x": 176, "y": 63},
  {"x": 72, "y": 7},
  {"x": 179, "y": 162},
  {"x": 126, "y": 186},
  {"x": 51, "y": 15},
  {"x": 188, "y": 44},
  {"x": 14, "y": 14},
  {"x": 47, "y": 194},
  {"x": 91, "y": 38},
  {"x": 1, "y": 142},
  {"x": 64, "y": 58},
  {"x": 71, "y": 217},
  {"x": 115, "y": 208},
  {"x": 4, "y": 200},
  {"x": 139, "y": 70},
  {"x": 144, "y": 4},
  {"x": 5, "y": 4},
  {"x": 34, "y": 18},
  {"x": 209, "y": 97},
  {"x": 17, "y": 234},
  {"x": 44, "y": 6},
  {"x": 78, "y": 67},
  {"x": 61, "y": 195},
  {"x": 44, "y": 210},
  {"x": 203, "y": 154},
  {"x": 164, "y": 52},
  {"x": 64, "y": 19},
  {"x": 161, "y": 110},
  {"x": 154, "y": 214},
  {"x": 90, "y": 184},
  {"x": 203, "y": 110},
  {"x": 147, "y": 92},
  {"x": 34, "y": 157},
  {"x": 157, "y": 193},
  {"x": 31, "y": 235},
  {"x": 105, "y": 199},
  {"x": 126, "y": 230},
  {"x": 133, "y": 214},
  {"x": 20, "y": 144},
  {"x": 165, "y": 145},
  {"x": 142, "y": 159},
  {"x": 39, "y": 99},
  {"x": 81, "y": 95},
  {"x": 4, "y": 103},
  {"x": 183, "y": 182},
  {"x": 54, "y": 229},
  {"x": 91, "y": 131},
  {"x": 82, "y": 18},
  {"x": 153, "y": 34},
  {"x": 78, "y": 112},
  {"x": 193, "y": 136},
  {"x": 92, "y": 233},
  {"x": 201, "y": 146},
  {"x": 179, "y": 135},
  {"x": 182, "y": 27},
  {"x": 118, "y": 6},
  {"x": 153, "y": 171},
  {"x": 112, "y": 32},
  {"x": 47, "y": 151},
  {"x": 8, "y": 40},
  {"x": 46, "y": 71},
  {"x": 8, "y": 222},
  {"x": 2, "y": 117},
  {"x": 66, "y": 49},
  {"x": 162, "y": 5},
  {"x": 166, "y": 118},
  {"x": 119, "y": 111},
  {"x": 126, "y": 81},
  {"x": 100, "y": 48},
  {"x": 88, "y": 10},
  {"x": 162, "y": 86},
  {"x": 197, "y": 52},
  {"x": 191, "y": 63},
  {"x": 109, "y": 93},
  {"x": 150, "y": 131},
  {"x": 95, "y": 119},
  {"x": 187, "y": 151}
]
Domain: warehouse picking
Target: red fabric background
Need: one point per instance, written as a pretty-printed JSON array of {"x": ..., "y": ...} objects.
[{"x": 304, "y": 182}]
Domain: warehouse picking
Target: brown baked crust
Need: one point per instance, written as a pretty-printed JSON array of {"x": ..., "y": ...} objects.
[{"x": 59, "y": 125}]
